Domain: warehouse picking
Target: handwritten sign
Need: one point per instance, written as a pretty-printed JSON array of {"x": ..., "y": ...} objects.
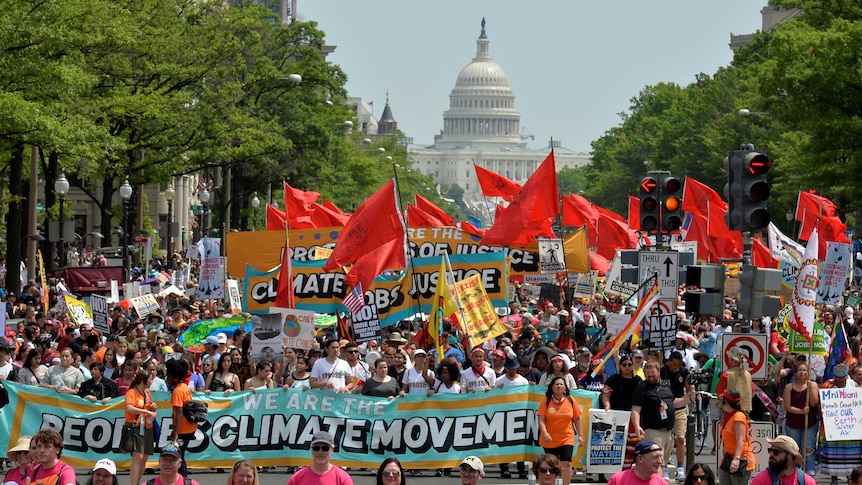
[{"x": 842, "y": 413}]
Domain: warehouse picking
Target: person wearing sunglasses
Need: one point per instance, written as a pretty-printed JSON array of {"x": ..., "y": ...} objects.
[
  {"x": 391, "y": 472},
  {"x": 699, "y": 474},
  {"x": 20, "y": 457},
  {"x": 617, "y": 394},
  {"x": 546, "y": 468},
  {"x": 784, "y": 464},
  {"x": 645, "y": 470},
  {"x": 321, "y": 469}
]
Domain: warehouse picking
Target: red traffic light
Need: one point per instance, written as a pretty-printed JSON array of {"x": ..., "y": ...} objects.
[
  {"x": 648, "y": 184},
  {"x": 671, "y": 185},
  {"x": 757, "y": 163}
]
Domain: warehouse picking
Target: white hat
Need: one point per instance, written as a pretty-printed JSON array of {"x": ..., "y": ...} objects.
[
  {"x": 475, "y": 463},
  {"x": 107, "y": 465},
  {"x": 372, "y": 357},
  {"x": 848, "y": 311},
  {"x": 222, "y": 338}
]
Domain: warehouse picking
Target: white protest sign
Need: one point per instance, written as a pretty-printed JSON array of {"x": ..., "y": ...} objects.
[
  {"x": 551, "y": 255},
  {"x": 234, "y": 295},
  {"x": 842, "y": 413},
  {"x": 297, "y": 327},
  {"x": 115, "y": 291},
  {"x": 145, "y": 305},
  {"x": 366, "y": 324},
  {"x": 833, "y": 273},
  {"x": 616, "y": 287},
  {"x": 616, "y": 322},
  {"x": 607, "y": 440}
]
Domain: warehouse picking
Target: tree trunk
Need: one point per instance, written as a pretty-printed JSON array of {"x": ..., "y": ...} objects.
[{"x": 14, "y": 220}]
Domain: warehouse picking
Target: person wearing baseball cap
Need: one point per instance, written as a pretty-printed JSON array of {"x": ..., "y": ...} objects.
[
  {"x": 321, "y": 469},
  {"x": 104, "y": 473},
  {"x": 645, "y": 470},
  {"x": 472, "y": 470},
  {"x": 418, "y": 379},
  {"x": 784, "y": 455},
  {"x": 170, "y": 463}
]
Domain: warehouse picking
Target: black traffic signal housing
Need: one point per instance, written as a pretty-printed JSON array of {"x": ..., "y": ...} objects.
[
  {"x": 704, "y": 293},
  {"x": 747, "y": 190},
  {"x": 671, "y": 204},
  {"x": 650, "y": 214},
  {"x": 752, "y": 281}
]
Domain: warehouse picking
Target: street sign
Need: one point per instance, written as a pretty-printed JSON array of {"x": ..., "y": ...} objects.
[
  {"x": 663, "y": 307},
  {"x": 760, "y": 432},
  {"x": 665, "y": 264},
  {"x": 753, "y": 345}
]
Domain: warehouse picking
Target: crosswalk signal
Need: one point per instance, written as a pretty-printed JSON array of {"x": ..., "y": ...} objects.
[
  {"x": 671, "y": 216},
  {"x": 649, "y": 204}
]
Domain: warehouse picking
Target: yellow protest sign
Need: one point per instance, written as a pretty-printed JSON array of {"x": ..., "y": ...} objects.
[
  {"x": 80, "y": 312},
  {"x": 480, "y": 320}
]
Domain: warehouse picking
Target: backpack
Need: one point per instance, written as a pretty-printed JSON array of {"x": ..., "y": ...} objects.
[
  {"x": 196, "y": 412},
  {"x": 4, "y": 395},
  {"x": 776, "y": 480}
]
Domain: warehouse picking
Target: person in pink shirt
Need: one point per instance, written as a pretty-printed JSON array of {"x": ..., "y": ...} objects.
[
  {"x": 784, "y": 455},
  {"x": 20, "y": 456},
  {"x": 321, "y": 471},
  {"x": 645, "y": 470}
]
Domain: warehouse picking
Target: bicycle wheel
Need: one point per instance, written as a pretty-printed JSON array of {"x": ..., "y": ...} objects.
[{"x": 703, "y": 426}]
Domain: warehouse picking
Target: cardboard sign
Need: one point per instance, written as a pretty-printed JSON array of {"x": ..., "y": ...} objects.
[
  {"x": 841, "y": 410},
  {"x": 551, "y": 258},
  {"x": 145, "y": 305},
  {"x": 297, "y": 327},
  {"x": 607, "y": 440},
  {"x": 99, "y": 305}
]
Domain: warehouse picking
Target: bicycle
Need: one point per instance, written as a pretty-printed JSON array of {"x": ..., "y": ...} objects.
[{"x": 701, "y": 409}]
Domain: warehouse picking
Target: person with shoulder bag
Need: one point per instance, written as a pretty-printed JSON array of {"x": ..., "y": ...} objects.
[
  {"x": 184, "y": 429},
  {"x": 738, "y": 461},
  {"x": 140, "y": 413}
]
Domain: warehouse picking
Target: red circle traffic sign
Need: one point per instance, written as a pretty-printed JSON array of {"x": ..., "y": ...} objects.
[{"x": 754, "y": 350}]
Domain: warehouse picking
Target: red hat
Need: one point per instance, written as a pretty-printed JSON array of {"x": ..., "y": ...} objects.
[{"x": 545, "y": 304}]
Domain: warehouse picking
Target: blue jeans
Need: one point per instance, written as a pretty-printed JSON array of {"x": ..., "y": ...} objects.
[{"x": 797, "y": 436}]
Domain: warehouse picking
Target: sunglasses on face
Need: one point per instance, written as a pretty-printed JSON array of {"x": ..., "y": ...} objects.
[
  {"x": 547, "y": 469},
  {"x": 627, "y": 364},
  {"x": 320, "y": 448},
  {"x": 775, "y": 451},
  {"x": 391, "y": 473},
  {"x": 698, "y": 478}
]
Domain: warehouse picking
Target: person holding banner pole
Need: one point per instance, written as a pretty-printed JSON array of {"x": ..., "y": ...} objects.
[{"x": 802, "y": 401}]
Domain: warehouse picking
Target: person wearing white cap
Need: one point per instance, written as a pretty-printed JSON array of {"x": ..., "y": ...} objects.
[
  {"x": 104, "y": 473},
  {"x": 472, "y": 470},
  {"x": 418, "y": 379},
  {"x": 321, "y": 469}
]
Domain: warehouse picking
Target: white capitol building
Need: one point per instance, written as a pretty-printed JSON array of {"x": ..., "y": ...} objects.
[{"x": 482, "y": 126}]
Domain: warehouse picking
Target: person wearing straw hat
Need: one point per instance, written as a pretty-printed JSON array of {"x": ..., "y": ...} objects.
[
  {"x": 20, "y": 456},
  {"x": 784, "y": 455}
]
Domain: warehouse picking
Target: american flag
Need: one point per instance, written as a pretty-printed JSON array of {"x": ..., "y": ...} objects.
[{"x": 355, "y": 299}]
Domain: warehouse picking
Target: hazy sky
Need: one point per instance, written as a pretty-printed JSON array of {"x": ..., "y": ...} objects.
[{"x": 572, "y": 64}]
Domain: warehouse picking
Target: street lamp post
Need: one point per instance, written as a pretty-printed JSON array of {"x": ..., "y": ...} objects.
[
  {"x": 204, "y": 196},
  {"x": 125, "y": 195},
  {"x": 255, "y": 203},
  {"x": 170, "y": 193},
  {"x": 61, "y": 188}
]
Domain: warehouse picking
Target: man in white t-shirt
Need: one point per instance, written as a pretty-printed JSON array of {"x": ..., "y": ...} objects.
[
  {"x": 361, "y": 371},
  {"x": 480, "y": 376},
  {"x": 418, "y": 379},
  {"x": 331, "y": 372},
  {"x": 6, "y": 366},
  {"x": 511, "y": 377}
]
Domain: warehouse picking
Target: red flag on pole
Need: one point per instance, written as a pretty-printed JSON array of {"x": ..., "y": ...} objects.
[{"x": 495, "y": 185}]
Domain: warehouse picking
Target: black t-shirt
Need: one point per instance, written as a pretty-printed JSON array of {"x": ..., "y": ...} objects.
[
  {"x": 650, "y": 398},
  {"x": 622, "y": 391},
  {"x": 675, "y": 380},
  {"x": 759, "y": 411}
]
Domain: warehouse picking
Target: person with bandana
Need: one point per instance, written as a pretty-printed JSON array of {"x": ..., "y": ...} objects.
[{"x": 479, "y": 376}]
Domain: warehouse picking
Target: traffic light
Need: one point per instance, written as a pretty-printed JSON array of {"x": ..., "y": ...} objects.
[
  {"x": 747, "y": 190},
  {"x": 649, "y": 204},
  {"x": 704, "y": 293},
  {"x": 753, "y": 280},
  {"x": 671, "y": 215}
]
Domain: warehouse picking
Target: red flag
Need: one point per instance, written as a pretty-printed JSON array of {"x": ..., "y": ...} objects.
[
  {"x": 712, "y": 244},
  {"x": 327, "y": 215},
  {"x": 599, "y": 263},
  {"x": 613, "y": 233},
  {"x": 495, "y": 185},
  {"x": 701, "y": 199},
  {"x": 430, "y": 208},
  {"x": 471, "y": 229},
  {"x": 634, "y": 212},
  {"x": 830, "y": 228},
  {"x": 284, "y": 292},
  {"x": 578, "y": 211},
  {"x": 389, "y": 255},
  {"x": 299, "y": 207},
  {"x": 416, "y": 217},
  {"x": 374, "y": 224},
  {"x": 808, "y": 208},
  {"x": 531, "y": 212},
  {"x": 275, "y": 219},
  {"x": 761, "y": 256}
]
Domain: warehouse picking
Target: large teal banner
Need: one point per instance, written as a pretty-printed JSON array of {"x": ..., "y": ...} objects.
[{"x": 274, "y": 427}]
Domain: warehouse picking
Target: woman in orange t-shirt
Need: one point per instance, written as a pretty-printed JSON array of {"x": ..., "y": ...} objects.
[
  {"x": 559, "y": 413},
  {"x": 738, "y": 461},
  {"x": 184, "y": 430},
  {"x": 140, "y": 406}
]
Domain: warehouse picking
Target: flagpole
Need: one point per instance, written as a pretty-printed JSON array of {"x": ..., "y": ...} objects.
[
  {"x": 461, "y": 318},
  {"x": 290, "y": 301},
  {"x": 418, "y": 302}
]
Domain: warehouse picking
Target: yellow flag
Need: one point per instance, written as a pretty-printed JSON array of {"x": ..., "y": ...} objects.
[
  {"x": 480, "y": 321},
  {"x": 577, "y": 252},
  {"x": 441, "y": 307}
]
